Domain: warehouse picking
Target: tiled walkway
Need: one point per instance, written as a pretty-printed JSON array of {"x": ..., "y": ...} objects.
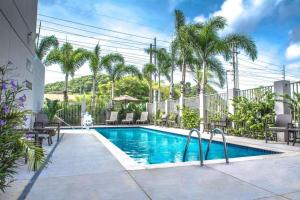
[{"x": 82, "y": 168}]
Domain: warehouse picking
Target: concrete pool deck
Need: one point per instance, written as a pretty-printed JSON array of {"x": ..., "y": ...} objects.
[{"x": 83, "y": 168}]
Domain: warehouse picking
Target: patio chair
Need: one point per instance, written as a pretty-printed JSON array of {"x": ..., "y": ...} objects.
[
  {"x": 143, "y": 119},
  {"x": 282, "y": 123},
  {"x": 164, "y": 120},
  {"x": 223, "y": 124},
  {"x": 43, "y": 126},
  {"x": 113, "y": 118},
  {"x": 128, "y": 119},
  {"x": 173, "y": 120}
]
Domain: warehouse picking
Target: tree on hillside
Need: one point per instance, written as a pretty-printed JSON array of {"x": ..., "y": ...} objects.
[
  {"x": 116, "y": 68},
  {"x": 95, "y": 67},
  {"x": 148, "y": 71},
  {"x": 44, "y": 46},
  {"x": 69, "y": 60}
]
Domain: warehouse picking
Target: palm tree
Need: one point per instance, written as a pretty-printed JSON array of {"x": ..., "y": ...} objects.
[
  {"x": 164, "y": 66},
  {"x": 115, "y": 67},
  {"x": 45, "y": 45},
  {"x": 207, "y": 45},
  {"x": 148, "y": 71},
  {"x": 172, "y": 60},
  {"x": 69, "y": 60},
  {"x": 183, "y": 48},
  {"x": 95, "y": 67}
]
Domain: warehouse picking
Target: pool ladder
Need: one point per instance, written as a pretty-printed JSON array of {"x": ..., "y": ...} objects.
[{"x": 216, "y": 130}]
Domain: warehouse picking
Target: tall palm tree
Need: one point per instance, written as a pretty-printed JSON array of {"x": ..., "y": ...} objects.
[
  {"x": 95, "y": 67},
  {"x": 172, "y": 60},
  {"x": 183, "y": 48},
  {"x": 148, "y": 72},
  {"x": 69, "y": 60},
  {"x": 164, "y": 66},
  {"x": 207, "y": 44},
  {"x": 115, "y": 67},
  {"x": 45, "y": 45}
]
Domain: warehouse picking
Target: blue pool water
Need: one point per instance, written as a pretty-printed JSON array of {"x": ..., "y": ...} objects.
[{"x": 152, "y": 147}]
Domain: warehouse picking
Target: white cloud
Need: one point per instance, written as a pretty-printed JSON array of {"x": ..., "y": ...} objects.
[
  {"x": 244, "y": 15},
  {"x": 293, "y": 51},
  {"x": 200, "y": 18}
]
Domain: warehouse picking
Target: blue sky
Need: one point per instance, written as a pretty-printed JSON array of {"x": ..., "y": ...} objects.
[{"x": 273, "y": 24}]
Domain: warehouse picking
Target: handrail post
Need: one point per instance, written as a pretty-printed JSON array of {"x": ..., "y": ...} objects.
[
  {"x": 224, "y": 144},
  {"x": 200, "y": 145}
]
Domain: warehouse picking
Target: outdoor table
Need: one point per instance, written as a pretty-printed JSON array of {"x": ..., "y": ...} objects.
[
  {"x": 294, "y": 131},
  {"x": 48, "y": 130},
  {"x": 288, "y": 130}
]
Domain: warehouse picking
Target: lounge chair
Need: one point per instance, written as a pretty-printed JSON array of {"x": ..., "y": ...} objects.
[
  {"x": 143, "y": 119},
  {"x": 113, "y": 118},
  {"x": 128, "y": 119},
  {"x": 282, "y": 124},
  {"x": 43, "y": 126}
]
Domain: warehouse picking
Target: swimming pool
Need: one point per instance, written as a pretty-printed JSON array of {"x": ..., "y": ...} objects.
[{"x": 147, "y": 146}]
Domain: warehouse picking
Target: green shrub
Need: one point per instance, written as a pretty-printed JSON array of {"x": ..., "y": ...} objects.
[
  {"x": 251, "y": 116},
  {"x": 190, "y": 118}
]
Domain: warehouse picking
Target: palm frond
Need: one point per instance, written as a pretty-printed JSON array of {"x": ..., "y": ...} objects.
[{"x": 45, "y": 45}]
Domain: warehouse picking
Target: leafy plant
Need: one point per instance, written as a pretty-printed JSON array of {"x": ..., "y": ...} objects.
[
  {"x": 13, "y": 144},
  {"x": 294, "y": 104},
  {"x": 51, "y": 108},
  {"x": 251, "y": 116},
  {"x": 190, "y": 118}
]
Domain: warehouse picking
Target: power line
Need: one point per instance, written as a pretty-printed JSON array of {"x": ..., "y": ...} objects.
[
  {"x": 262, "y": 61},
  {"x": 101, "y": 28},
  {"x": 120, "y": 38},
  {"x": 62, "y": 40}
]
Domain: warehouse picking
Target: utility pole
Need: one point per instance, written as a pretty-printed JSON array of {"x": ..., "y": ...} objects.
[
  {"x": 38, "y": 36},
  {"x": 151, "y": 53},
  {"x": 235, "y": 67},
  {"x": 283, "y": 72},
  {"x": 155, "y": 64}
]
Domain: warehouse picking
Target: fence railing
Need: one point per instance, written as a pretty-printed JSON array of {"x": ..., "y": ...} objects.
[
  {"x": 70, "y": 113},
  {"x": 295, "y": 89},
  {"x": 216, "y": 107},
  {"x": 255, "y": 93},
  {"x": 191, "y": 102}
]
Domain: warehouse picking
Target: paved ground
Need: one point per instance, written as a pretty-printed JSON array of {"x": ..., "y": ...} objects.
[{"x": 82, "y": 168}]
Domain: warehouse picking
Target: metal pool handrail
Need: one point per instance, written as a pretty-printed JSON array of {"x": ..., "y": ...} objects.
[
  {"x": 217, "y": 130},
  {"x": 200, "y": 145}
]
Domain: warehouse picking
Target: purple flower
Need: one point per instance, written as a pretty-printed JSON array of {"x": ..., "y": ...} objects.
[
  {"x": 2, "y": 122},
  {"x": 5, "y": 108},
  {"x": 4, "y": 87},
  {"x": 13, "y": 85},
  {"x": 22, "y": 98}
]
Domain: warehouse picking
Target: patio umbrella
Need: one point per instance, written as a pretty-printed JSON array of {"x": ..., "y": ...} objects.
[{"x": 125, "y": 98}]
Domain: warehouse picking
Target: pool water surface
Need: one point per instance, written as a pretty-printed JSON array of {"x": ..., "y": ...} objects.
[{"x": 147, "y": 146}]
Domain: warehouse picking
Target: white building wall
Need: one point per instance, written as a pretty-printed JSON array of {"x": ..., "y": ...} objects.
[{"x": 17, "y": 45}]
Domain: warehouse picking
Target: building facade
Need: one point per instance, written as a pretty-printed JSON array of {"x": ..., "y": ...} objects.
[{"x": 18, "y": 20}]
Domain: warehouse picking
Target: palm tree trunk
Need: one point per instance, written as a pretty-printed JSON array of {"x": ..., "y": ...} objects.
[
  {"x": 66, "y": 87},
  {"x": 94, "y": 92},
  {"x": 112, "y": 90},
  {"x": 172, "y": 82},
  {"x": 159, "y": 94},
  {"x": 150, "y": 91},
  {"x": 182, "y": 93}
]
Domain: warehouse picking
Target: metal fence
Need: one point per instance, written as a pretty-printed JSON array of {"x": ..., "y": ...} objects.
[
  {"x": 216, "y": 107},
  {"x": 295, "y": 89},
  {"x": 70, "y": 113},
  {"x": 192, "y": 102},
  {"x": 255, "y": 93}
]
